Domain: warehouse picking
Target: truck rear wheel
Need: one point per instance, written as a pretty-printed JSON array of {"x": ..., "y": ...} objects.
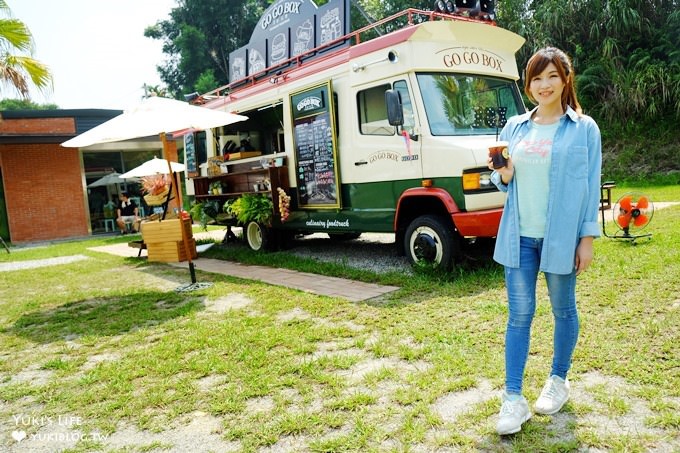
[
  {"x": 257, "y": 236},
  {"x": 431, "y": 240}
]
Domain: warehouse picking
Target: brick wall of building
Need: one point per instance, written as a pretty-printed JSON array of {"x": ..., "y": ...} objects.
[
  {"x": 43, "y": 191},
  {"x": 37, "y": 126}
]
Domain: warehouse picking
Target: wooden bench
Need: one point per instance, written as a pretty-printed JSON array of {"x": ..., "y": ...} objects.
[
  {"x": 606, "y": 195},
  {"x": 141, "y": 245}
]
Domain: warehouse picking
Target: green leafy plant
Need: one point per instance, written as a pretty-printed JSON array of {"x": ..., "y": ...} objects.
[
  {"x": 205, "y": 212},
  {"x": 226, "y": 207},
  {"x": 252, "y": 207}
]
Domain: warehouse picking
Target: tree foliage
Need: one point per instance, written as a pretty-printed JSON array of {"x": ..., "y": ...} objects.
[
  {"x": 25, "y": 104},
  {"x": 626, "y": 52},
  {"x": 18, "y": 69},
  {"x": 198, "y": 37}
]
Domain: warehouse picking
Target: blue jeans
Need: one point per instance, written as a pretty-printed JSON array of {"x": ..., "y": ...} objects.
[{"x": 521, "y": 287}]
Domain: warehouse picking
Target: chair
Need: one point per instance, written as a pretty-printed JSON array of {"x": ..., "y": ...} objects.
[
  {"x": 112, "y": 222},
  {"x": 606, "y": 195},
  {"x": 138, "y": 202}
]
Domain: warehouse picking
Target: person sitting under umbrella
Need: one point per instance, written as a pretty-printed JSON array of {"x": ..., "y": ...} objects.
[{"x": 128, "y": 213}]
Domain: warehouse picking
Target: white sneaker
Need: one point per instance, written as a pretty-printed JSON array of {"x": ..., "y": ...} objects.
[
  {"x": 513, "y": 413},
  {"x": 553, "y": 396}
]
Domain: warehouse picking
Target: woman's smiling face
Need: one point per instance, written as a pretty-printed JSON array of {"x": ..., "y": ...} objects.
[{"x": 546, "y": 88}]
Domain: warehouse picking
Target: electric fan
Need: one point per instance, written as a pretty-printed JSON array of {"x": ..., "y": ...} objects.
[{"x": 631, "y": 214}]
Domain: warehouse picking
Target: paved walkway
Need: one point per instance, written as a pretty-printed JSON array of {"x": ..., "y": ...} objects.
[
  {"x": 33, "y": 264},
  {"x": 312, "y": 283}
]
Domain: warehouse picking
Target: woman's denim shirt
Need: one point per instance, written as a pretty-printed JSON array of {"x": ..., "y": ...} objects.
[{"x": 574, "y": 193}]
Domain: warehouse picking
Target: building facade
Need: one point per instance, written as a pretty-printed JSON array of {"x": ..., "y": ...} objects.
[{"x": 44, "y": 193}]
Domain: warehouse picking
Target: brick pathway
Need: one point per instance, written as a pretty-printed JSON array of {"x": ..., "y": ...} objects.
[{"x": 317, "y": 284}]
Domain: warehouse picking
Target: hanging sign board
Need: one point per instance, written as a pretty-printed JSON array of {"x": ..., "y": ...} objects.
[
  {"x": 287, "y": 29},
  {"x": 315, "y": 147}
]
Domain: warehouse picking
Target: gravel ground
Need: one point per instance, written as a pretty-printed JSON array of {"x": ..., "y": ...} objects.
[
  {"x": 374, "y": 251},
  {"x": 371, "y": 251}
]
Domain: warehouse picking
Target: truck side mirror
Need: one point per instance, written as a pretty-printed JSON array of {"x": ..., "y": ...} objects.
[{"x": 395, "y": 111}]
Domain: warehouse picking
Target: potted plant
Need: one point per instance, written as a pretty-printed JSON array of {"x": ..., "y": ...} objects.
[{"x": 216, "y": 188}]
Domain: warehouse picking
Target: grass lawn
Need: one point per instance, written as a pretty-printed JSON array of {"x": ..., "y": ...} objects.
[{"x": 101, "y": 354}]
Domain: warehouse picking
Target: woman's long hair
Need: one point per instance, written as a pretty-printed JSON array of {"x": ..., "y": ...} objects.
[{"x": 539, "y": 61}]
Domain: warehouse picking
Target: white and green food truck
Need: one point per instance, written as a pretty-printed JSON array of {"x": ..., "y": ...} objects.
[{"x": 385, "y": 129}]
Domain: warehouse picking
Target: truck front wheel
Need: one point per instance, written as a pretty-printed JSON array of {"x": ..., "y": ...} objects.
[{"x": 431, "y": 240}]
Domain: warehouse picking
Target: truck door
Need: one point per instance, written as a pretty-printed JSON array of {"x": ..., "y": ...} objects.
[{"x": 381, "y": 155}]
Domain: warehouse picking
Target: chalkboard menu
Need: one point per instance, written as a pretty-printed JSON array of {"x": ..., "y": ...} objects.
[
  {"x": 190, "y": 151},
  {"x": 315, "y": 148}
]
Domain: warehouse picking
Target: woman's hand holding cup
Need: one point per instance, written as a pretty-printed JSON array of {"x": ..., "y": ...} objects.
[{"x": 499, "y": 160}]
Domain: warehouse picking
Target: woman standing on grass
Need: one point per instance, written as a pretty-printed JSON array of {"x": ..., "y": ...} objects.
[{"x": 548, "y": 225}]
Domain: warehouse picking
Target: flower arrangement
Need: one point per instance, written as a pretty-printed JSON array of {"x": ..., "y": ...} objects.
[
  {"x": 154, "y": 184},
  {"x": 284, "y": 204},
  {"x": 156, "y": 189}
]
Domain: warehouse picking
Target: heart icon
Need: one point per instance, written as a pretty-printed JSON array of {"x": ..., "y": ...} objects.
[{"x": 19, "y": 435}]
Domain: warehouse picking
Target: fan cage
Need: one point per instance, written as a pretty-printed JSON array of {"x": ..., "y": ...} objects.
[{"x": 635, "y": 198}]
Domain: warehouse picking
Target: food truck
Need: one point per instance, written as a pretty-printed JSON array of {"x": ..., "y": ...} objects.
[{"x": 385, "y": 129}]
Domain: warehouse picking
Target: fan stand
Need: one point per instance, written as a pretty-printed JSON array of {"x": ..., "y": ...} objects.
[{"x": 625, "y": 235}]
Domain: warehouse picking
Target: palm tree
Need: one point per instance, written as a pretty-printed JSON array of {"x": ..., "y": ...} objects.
[
  {"x": 17, "y": 70},
  {"x": 155, "y": 90}
]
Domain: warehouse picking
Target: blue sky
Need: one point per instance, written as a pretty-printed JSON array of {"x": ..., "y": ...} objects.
[{"x": 95, "y": 49}]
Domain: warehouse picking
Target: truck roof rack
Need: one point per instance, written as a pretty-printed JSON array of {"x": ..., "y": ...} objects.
[{"x": 411, "y": 15}]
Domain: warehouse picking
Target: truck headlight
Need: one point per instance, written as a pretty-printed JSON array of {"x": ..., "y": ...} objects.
[{"x": 477, "y": 180}]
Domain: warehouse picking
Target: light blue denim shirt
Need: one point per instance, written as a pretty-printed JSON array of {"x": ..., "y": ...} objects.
[{"x": 574, "y": 193}]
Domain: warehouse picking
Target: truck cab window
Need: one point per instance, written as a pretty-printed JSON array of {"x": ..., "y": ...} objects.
[
  {"x": 457, "y": 104},
  {"x": 409, "y": 119},
  {"x": 373, "y": 111}
]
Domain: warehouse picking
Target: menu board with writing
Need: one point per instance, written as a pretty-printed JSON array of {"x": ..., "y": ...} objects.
[
  {"x": 315, "y": 147},
  {"x": 190, "y": 152}
]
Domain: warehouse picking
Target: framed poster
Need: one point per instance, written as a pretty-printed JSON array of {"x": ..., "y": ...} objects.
[{"x": 314, "y": 140}]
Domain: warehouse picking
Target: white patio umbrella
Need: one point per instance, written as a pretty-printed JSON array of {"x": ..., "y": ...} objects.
[
  {"x": 154, "y": 166},
  {"x": 112, "y": 179},
  {"x": 152, "y": 116}
]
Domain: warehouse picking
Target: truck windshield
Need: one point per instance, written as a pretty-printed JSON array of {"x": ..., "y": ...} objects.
[{"x": 458, "y": 104}]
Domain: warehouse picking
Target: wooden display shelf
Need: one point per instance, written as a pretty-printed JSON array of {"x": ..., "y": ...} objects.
[
  {"x": 244, "y": 155},
  {"x": 239, "y": 183},
  {"x": 228, "y": 194}
]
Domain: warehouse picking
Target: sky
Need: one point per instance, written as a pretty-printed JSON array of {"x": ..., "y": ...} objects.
[{"x": 95, "y": 49}]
